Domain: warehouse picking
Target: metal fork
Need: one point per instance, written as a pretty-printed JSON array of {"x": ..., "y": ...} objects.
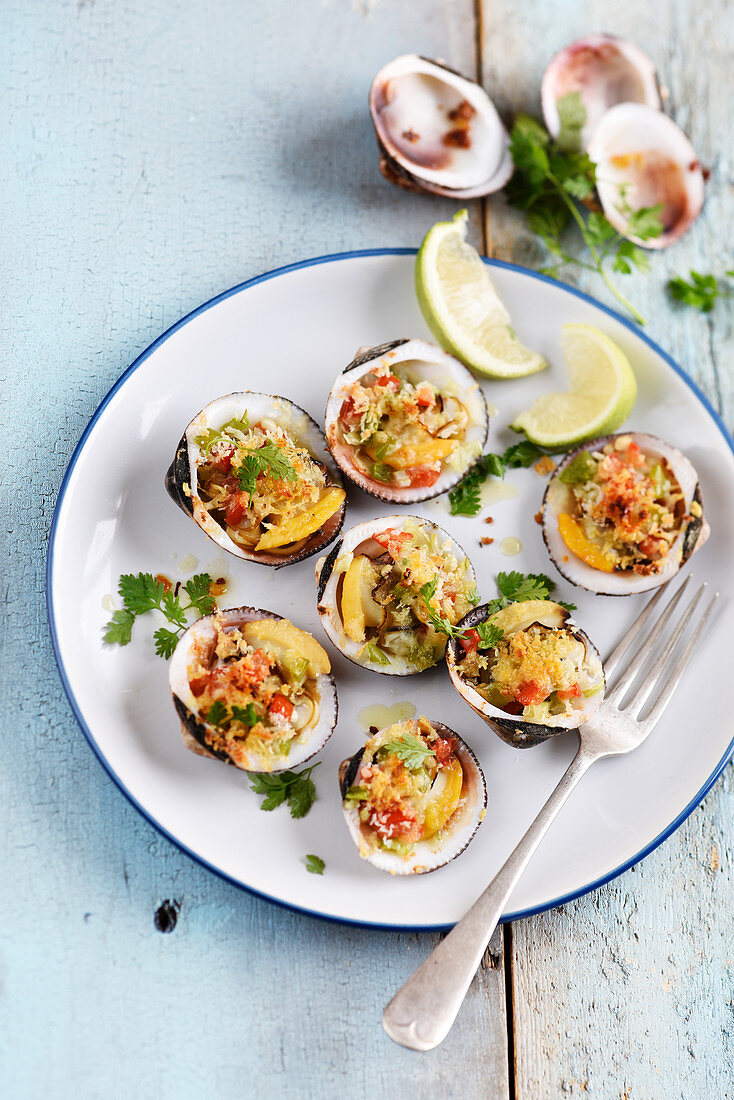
[{"x": 421, "y": 1013}]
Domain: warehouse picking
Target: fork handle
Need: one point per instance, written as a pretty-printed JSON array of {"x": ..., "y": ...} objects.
[{"x": 421, "y": 1013}]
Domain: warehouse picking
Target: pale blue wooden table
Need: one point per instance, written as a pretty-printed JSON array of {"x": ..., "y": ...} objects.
[{"x": 154, "y": 154}]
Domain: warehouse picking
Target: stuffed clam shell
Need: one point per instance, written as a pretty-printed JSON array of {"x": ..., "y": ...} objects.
[
  {"x": 406, "y": 421},
  {"x": 541, "y": 676},
  {"x": 254, "y": 473},
  {"x": 252, "y": 690},
  {"x": 413, "y": 796},
  {"x": 623, "y": 513},
  {"x": 383, "y": 587}
]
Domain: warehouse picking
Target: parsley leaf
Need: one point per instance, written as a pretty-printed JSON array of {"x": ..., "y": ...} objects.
[
  {"x": 119, "y": 629},
  {"x": 489, "y": 635},
  {"x": 465, "y": 498},
  {"x": 297, "y": 788},
  {"x": 143, "y": 593},
  {"x": 411, "y": 749},
  {"x": 217, "y": 714},
  {"x": 267, "y": 459},
  {"x": 198, "y": 589},
  {"x": 552, "y": 181},
  {"x": 315, "y": 865},
  {"x": 165, "y": 642},
  {"x": 247, "y": 715},
  {"x": 701, "y": 291}
]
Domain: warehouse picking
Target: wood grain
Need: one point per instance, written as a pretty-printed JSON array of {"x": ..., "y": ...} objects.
[
  {"x": 628, "y": 992},
  {"x": 159, "y": 153}
]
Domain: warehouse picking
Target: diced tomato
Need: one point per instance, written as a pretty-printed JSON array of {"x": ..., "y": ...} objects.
[
  {"x": 198, "y": 685},
  {"x": 469, "y": 640},
  {"x": 393, "y": 540},
  {"x": 235, "y": 511},
  {"x": 389, "y": 382},
  {"x": 532, "y": 692},
  {"x": 223, "y": 462},
  {"x": 397, "y": 822},
  {"x": 444, "y": 749},
  {"x": 572, "y": 693},
  {"x": 422, "y": 476},
  {"x": 634, "y": 456},
  {"x": 425, "y": 400},
  {"x": 280, "y": 707},
  {"x": 348, "y": 414},
  {"x": 163, "y": 579}
]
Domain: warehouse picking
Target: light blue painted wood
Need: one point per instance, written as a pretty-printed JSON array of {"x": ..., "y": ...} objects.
[{"x": 157, "y": 153}]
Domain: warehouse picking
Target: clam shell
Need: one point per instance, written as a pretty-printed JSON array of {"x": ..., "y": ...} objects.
[
  {"x": 194, "y": 728},
  {"x": 437, "y": 131},
  {"x": 558, "y": 499},
  {"x": 327, "y": 581},
  {"x": 427, "y": 855},
  {"x": 605, "y": 70},
  {"x": 181, "y": 477},
  {"x": 420, "y": 360},
  {"x": 521, "y": 733},
  {"x": 641, "y": 149}
]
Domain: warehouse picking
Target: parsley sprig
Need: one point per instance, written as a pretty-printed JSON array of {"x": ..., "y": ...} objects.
[
  {"x": 410, "y": 749},
  {"x": 554, "y": 179},
  {"x": 701, "y": 291},
  {"x": 220, "y": 715},
  {"x": 267, "y": 459},
  {"x": 465, "y": 498},
  {"x": 315, "y": 865},
  {"x": 489, "y": 634},
  {"x": 515, "y": 587},
  {"x": 143, "y": 593},
  {"x": 295, "y": 788}
]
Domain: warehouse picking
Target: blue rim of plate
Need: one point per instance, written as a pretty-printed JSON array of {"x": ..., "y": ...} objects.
[{"x": 265, "y": 277}]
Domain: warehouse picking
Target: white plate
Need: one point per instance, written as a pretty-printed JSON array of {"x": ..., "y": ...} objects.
[{"x": 291, "y": 332}]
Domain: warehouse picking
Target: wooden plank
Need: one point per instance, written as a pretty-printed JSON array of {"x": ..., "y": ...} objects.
[
  {"x": 160, "y": 153},
  {"x": 628, "y": 992}
]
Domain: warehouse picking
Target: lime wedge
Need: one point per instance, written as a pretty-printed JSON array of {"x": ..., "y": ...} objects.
[
  {"x": 462, "y": 308},
  {"x": 603, "y": 391}
]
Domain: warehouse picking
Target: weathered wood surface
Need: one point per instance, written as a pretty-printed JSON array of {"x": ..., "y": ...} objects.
[
  {"x": 157, "y": 153},
  {"x": 629, "y": 991}
]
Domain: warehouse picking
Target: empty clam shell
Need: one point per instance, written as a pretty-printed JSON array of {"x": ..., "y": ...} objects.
[
  {"x": 604, "y": 70},
  {"x": 437, "y": 131}
]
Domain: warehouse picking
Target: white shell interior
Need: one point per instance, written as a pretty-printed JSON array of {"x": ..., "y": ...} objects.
[
  {"x": 559, "y": 498},
  {"x": 178, "y": 681},
  {"x": 643, "y": 158},
  {"x": 429, "y": 855},
  {"x": 330, "y": 617},
  {"x": 411, "y": 100},
  {"x": 417, "y": 360},
  {"x": 288, "y": 416},
  {"x": 606, "y": 71}
]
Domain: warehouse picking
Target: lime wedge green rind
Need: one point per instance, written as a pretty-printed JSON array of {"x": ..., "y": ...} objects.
[
  {"x": 602, "y": 392},
  {"x": 461, "y": 306}
]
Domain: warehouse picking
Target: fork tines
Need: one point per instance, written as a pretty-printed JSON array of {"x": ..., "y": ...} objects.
[{"x": 649, "y": 650}]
